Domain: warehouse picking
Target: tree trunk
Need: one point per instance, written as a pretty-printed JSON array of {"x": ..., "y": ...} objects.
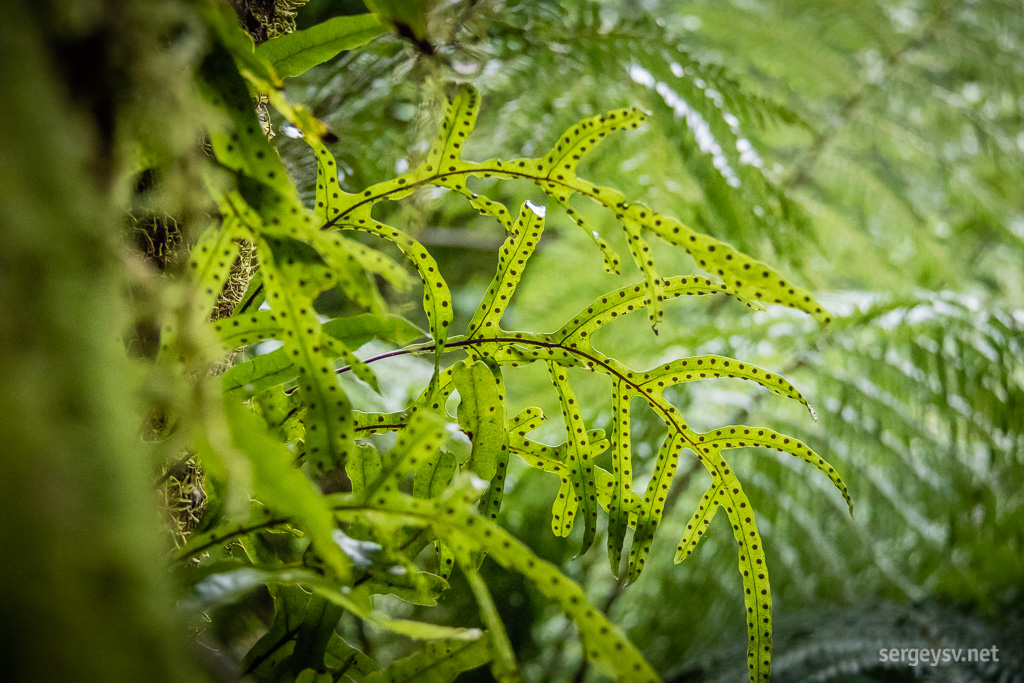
[{"x": 84, "y": 586}]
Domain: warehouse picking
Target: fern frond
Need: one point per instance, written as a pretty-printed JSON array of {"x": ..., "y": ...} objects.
[{"x": 555, "y": 174}]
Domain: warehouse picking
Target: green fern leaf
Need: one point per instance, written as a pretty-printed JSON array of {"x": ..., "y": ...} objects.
[
  {"x": 239, "y": 143},
  {"x": 631, "y": 298},
  {"x": 490, "y": 501},
  {"x": 526, "y": 421},
  {"x": 268, "y": 209},
  {"x": 364, "y": 467},
  {"x": 756, "y": 590},
  {"x": 546, "y": 459},
  {"x": 437, "y": 297},
  {"x": 622, "y": 471},
  {"x": 378, "y": 423},
  {"x": 703, "y": 367},
  {"x": 341, "y": 209},
  {"x": 459, "y": 119},
  {"x": 434, "y": 475},
  {"x": 421, "y": 437},
  {"x": 330, "y": 200},
  {"x": 445, "y": 559},
  {"x": 653, "y": 505},
  {"x": 283, "y": 488},
  {"x": 700, "y": 521},
  {"x": 740, "y": 436},
  {"x": 481, "y": 416},
  {"x": 574, "y": 143},
  {"x": 503, "y": 662},
  {"x": 581, "y": 467},
  {"x": 295, "y": 53},
  {"x": 329, "y": 426},
  {"x": 210, "y": 263},
  {"x": 436, "y": 662},
  {"x": 566, "y": 502},
  {"x": 512, "y": 257},
  {"x": 454, "y": 521},
  {"x": 460, "y": 114},
  {"x": 240, "y": 330},
  {"x": 752, "y": 279}
]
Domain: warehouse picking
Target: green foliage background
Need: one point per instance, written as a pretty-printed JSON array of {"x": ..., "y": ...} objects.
[{"x": 871, "y": 151}]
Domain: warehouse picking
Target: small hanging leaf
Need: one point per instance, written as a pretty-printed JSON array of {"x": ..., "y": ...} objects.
[
  {"x": 434, "y": 474},
  {"x": 276, "y": 367},
  {"x": 363, "y": 467},
  {"x": 612, "y": 260},
  {"x": 406, "y": 582},
  {"x": 378, "y": 263},
  {"x": 481, "y": 415},
  {"x": 294, "y": 53}
]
